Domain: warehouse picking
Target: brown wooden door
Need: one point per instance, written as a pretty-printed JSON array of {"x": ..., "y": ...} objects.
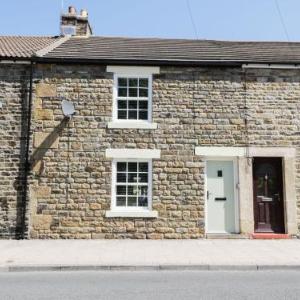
[{"x": 268, "y": 195}]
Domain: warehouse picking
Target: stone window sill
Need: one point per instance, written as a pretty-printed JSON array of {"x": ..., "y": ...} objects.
[
  {"x": 132, "y": 124},
  {"x": 131, "y": 214}
]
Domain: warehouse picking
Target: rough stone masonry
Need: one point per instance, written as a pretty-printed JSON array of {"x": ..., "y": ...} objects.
[{"x": 70, "y": 180}]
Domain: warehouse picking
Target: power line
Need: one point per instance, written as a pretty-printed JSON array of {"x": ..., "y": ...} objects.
[
  {"x": 191, "y": 17},
  {"x": 282, "y": 20}
]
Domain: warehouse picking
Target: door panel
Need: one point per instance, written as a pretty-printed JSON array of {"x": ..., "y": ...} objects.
[
  {"x": 268, "y": 195},
  {"x": 220, "y": 197}
]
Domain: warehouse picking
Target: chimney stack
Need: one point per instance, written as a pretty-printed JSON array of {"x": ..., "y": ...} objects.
[{"x": 75, "y": 25}]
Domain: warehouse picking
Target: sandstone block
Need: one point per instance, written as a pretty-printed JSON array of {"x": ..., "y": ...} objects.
[
  {"x": 69, "y": 223},
  {"x": 45, "y": 90},
  {"x": 43, "y": 114},
  {"x": 98, "y": 235},
  {"x": 40, "y": 192},
  {"x": 41, "y": 222},
  {"x": 140, "y": 236},
  {"x": 164, "y": 230},
  {"x": 95, "y": 206},
  {"x": 38, "y": 103},
  {"x": 172, "y": 235},
  {"x": 76, "y": 146},
  {"x": 237, "y": 121},
  {"x": 155, "y": 236}
]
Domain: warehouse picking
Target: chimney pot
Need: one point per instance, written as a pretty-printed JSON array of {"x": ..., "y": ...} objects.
[
  {"x": 84, "y": 13},
  {"x": 72, "y": 10}
]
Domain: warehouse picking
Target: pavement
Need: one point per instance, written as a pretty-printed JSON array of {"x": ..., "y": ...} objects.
[{"x": 64, "y": 255}]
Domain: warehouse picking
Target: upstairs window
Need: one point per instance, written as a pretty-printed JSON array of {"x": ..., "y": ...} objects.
[{"x": 133, "y": 98}]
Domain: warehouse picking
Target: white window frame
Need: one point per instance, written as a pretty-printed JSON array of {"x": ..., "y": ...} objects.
[
  {"x": 148, "y": 99},
  {"x": 130, "y": 211},
  {"x": 114, "y": 206},
  {"x": 134, "y": 155},
  {"x": 132, "y": 72}
]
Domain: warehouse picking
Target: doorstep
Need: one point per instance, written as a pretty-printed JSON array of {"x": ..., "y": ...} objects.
[
  {"x": 230, "y": 236},
  {"x": 270, "y": 236}
]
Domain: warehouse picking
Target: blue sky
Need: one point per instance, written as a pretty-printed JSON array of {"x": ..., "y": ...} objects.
[{"x": 214, "y": 19}]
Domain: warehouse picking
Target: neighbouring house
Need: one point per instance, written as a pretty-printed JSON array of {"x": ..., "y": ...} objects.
[{"x": 171, "y": 138}]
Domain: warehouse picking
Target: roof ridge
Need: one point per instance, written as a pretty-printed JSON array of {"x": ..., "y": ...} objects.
[
  {"x": 42, "y": 52},
  {"x": 187, "y": 39}
]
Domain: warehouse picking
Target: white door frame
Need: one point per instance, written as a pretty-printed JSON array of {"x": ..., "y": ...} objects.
[
  {"x": 245, "y": 201},
  {"x": 236, "y": 192}
]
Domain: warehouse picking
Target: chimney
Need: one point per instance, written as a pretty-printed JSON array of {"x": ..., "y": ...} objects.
[{"x": 75, "y": 24}]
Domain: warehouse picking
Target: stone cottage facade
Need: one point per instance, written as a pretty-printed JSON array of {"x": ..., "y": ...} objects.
[{"x": 171, "y": 139}]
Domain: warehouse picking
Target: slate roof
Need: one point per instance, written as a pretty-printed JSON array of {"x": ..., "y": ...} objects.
[
  {"x": 172, "y": 50},
  {"x": 156, "y": 50},
  {"x": 23, "y": 46}
]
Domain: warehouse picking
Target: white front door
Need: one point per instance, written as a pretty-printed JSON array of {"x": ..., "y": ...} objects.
[{"x": 220, "y": 197}]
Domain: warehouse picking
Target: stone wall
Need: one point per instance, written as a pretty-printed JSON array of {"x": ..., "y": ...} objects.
[
  {"x": 70, "y": 186},
  {"x": 14, "y": 84},
  {"x": 70, "y": 181}
]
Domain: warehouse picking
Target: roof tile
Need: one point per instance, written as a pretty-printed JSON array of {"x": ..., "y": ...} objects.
[
  {"x": 23, "y": 46},
  {"x": 154, "y": 49}
]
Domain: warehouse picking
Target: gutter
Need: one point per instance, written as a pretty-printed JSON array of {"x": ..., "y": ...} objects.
[
  {"x": 133, "y": 62},
  {"x": 39, "y": 57},
  {"x": 270, "y": 66},
  {"x": 152, "y": 62}
]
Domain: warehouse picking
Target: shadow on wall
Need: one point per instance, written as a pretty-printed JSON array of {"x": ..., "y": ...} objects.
[
  {"x": 18, "y": 230},
  {"x": 41, "y": 150}
]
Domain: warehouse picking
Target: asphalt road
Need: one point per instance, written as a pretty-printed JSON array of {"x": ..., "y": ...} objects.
[{"x": 154, "y": 285}]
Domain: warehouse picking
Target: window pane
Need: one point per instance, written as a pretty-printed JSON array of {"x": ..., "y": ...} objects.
[
  {"x": 143, "y": 191},
  {"x": 132, "y": 201},
  {"x": 143, "y": 82},
  {"x": 133, "y": 92},
  {"x": 132, "y": 115},
  {"x": 121, "y": 177},
  {"x": 132, "y": 167},
  {"x": 143, "y": 104},
  {"x": 122, "y": 114},
  {"x": 122, "y": 104},
  {"x": 121, "y": 166},
  {"x": 121, "y": 190},
  {"x": 122, "y": 92},
  {"x": 142, "y": 201},
  {"x": 143, "y": 196},
  {"x": 143, "y": 177},
  {"x": 121, "y": 201},
  {"x": 133, "y": 82},
  {"x": 133, "y": 104},
  {"x": 132, "y": 177},
  {"x": 143, "y": 167},
  {"x": 143, "y": 115},
  {"x": 122, "y": 82},
  {"x": 132, "y": 190},
  {"x": 143, "y": 93}
]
